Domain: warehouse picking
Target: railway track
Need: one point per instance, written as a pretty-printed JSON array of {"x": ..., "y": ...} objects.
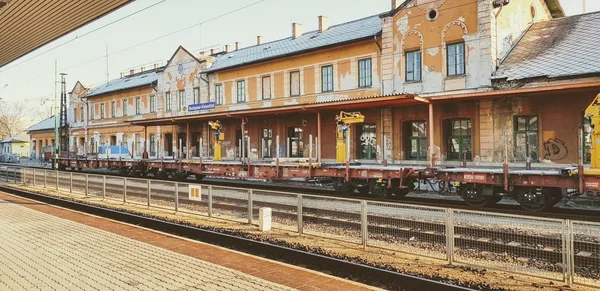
[
  {"x": 382, "y": 225},
  {"x": 561, "y": 213},
  {"x": 364, "y": 273}
]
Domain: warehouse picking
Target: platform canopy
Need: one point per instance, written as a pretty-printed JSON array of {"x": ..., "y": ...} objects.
[{"x": 26, "y": 25}]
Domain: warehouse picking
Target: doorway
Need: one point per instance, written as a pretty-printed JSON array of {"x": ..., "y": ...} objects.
[
  {"x": 169, "y": 144},
  {"x": 296, "y": 146},
  {"x": 181, "y": 144}
]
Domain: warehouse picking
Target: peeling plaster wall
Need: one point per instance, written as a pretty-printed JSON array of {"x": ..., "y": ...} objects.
[
  {"x": 344, "y": 60},
  {"x": 411, "y": 29},
  {"x": 513, "y": 20}
]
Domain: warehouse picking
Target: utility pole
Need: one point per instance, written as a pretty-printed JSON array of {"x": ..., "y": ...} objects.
[
  {"x": 64, "y": 123},
  {"x": 54, "y": 162}
]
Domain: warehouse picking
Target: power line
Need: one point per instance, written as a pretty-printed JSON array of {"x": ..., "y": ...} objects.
[{"x": 148, "y": 41}]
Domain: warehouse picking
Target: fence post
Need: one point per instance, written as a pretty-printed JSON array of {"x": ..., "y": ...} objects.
[
  {"x": 124, "y": 190},
  {"x": 450, "y": 236},
  {"x": 57, "y": 180},
  {"x": 148, "y": 184},
  {"x": 71, "y": 182},
  {"x": 44, "y": 178},
  {"x": 87, "y": 185},
  {"x": 176, "y": 196},
  {"x": 568, "y": 253},
  {"x": 33, "y": 177},
  {"x": 250, "y": 206},
  {"x": 209, "y": 201},
  {"x": 300, "y": 223},
  {"x": 15, "y": 175},
  {"x": 364, "y": 224}
]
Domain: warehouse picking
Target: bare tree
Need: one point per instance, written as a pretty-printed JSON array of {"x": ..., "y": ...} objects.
[{"x": 12, "y": 118}]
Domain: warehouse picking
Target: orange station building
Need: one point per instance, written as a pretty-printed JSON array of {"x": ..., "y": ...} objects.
[{"x": 437, "y": 81}]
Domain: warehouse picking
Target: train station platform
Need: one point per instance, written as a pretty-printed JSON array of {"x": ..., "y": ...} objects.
[{"x": 43, "y": 247}]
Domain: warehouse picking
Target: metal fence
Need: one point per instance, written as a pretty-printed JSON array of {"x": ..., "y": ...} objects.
[{"x": 555, "y": 249}]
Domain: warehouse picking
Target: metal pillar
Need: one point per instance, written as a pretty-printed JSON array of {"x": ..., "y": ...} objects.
[
  {"x": 187, "y": 140},
  {"x": 319, "y": 137},
  {"x": 431, "y": 137}
]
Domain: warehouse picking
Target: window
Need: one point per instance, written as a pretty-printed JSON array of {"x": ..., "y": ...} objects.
[
  {"x": 416, "y": 142},
  {"x": 456, "y": 59},
  {"x": 295, "y": 83},
  {"x": 167, "y": 101},
  {"x": 93, "y": 112},
  {"x": 152, "y": 103},
  {"x": 152, "y": 144},
  {"x": 113, "y": 109},
  {"x": 82, "y": 116},
  {"x": 102, "y": 111},
  {"x": 125, "y": 107},
  {"x": 413, "y": 66},
  {"x": 526, "y": 138},
  {"x": 367, "y": 139},
  {"x": 138, "y": 105},
  {"x": 241, "y": 91},
  {"x": 327, "y": 78},
  {"x": 365, "y": 77},
  {"x": 75, "y": 114},
  {"x": 219, "y": 94},
  {"x": 266, "y": 87},
  {"x": 181, "y": 99},
  {"x": 459, "y": 139},
  {"x": 196, "y": 96},
  {"x": 267, "y": 143},
  {"x": 296, "y": 147}
]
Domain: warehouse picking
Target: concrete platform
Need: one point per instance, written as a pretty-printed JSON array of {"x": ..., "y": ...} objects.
[{"x": 48, "y": 248}]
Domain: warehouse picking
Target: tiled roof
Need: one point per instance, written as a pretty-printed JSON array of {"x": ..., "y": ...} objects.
[
  {"x": 127, "y": 82},
  {"x": 556, "y": 48},
  {"x": 42, "y": 125},
  {"x": 337, "y": 34}
]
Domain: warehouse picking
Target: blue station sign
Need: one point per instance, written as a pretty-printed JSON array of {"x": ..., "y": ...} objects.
[{"x": 202, "y": 106}]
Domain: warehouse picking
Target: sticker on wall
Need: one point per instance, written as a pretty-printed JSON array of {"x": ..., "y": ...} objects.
[{"x": 195, "y": 193}]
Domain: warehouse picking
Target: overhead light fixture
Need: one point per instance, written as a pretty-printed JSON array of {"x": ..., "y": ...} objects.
[{"x": 2, "y": 4}]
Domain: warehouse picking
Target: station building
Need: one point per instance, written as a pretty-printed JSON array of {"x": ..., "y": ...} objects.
[{"x": 437, "y": 81}]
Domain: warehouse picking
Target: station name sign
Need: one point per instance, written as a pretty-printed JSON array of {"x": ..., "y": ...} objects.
[{"x": 202, "y": 106}]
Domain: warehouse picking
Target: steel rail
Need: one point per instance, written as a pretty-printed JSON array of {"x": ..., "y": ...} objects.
[{"x": 360, "y": 272}]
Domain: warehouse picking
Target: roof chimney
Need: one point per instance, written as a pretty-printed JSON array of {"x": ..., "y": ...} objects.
[
  {"x": 131, "y": 72},
  {"x": 323, "y": 23},
  {"x": 227, "y": 48},
  {"x": 259, "y": 40},
  {"x": 212, "y": 52},
  {"x": 122, "y": 74},
  {"x": 155, "y": 66},
  {"x": 394, "y": 4},
  {"x": 237, "y": 45},
  {"x": 143, "y": 69},
  {"x": 202, "y": 53},
  {"x": 296, "y": 30}
]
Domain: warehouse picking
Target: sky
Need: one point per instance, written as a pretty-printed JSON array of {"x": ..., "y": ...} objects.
[{"x": 152, "y": 36}]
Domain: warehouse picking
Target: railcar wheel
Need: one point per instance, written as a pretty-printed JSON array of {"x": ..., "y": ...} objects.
[
  {"x": 473, "y": 195},
  {"x": 79, "y": 169},
  {"x": 199, "y": 177},
  {"x": 400, "y": 193},
  {"x": 539, "y": 199},
  {"x": 162, "y": 175},
  {"x": 363, "y": 190},
  {"x": 343, "y": 187}
]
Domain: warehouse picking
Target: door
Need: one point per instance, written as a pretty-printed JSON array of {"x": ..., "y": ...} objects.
[
  {"x": 296, "y": 146},
  {"x": 459, "y": 140},
  {"x": 169, "y": 144},
  {"x": 182, "y": 144},
  {"x": 367, "y": 139}
]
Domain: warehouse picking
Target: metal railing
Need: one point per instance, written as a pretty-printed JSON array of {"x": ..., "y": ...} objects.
[{"x": 555, "y": 249}]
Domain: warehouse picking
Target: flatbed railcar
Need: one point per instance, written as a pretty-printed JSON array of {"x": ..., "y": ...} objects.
[{"x": 534, "y": 189}]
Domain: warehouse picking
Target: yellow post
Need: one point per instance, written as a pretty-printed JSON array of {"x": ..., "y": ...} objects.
[
  {"x": 593, "y": 113},
  {"x": 340, "y": 148}
]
